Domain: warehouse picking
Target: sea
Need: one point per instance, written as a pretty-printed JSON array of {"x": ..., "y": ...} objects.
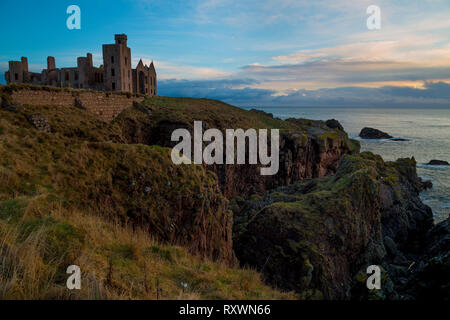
[{"x": 427, "y": 129}]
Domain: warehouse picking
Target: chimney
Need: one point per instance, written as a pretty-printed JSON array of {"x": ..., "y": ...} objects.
[
  {"x": 121, "y": 39},
  {"x": 51, "y": 63},
  {"x": 89, "y": 56}
]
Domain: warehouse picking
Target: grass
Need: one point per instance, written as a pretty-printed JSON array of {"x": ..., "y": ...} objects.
[
  {"x": 124, "y": 213},
  {"x": 116, "y": 261}
]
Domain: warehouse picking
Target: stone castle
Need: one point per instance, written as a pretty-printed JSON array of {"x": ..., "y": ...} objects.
[{"x": 115, "y": 74}]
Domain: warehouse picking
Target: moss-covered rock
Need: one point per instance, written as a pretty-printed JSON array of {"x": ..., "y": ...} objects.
[
  {"x": 307, "y": 148},
  {"x": 316, "y": 235}
]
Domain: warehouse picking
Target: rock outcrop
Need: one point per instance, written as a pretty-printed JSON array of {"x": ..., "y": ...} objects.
[
  {"x": 334, "y": 124},
  {"x": 39, "y": 122},
  {"x": 371, "y": 133},
  {"x": 429, "y": 277},
  {"x": 438, "y": 163},
  {"x": 308, "y": 148},
  {"x": 318, "y": 236}
]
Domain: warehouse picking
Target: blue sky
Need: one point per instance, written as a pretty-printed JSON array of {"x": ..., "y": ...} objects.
[{"x": 254, "y": 52}]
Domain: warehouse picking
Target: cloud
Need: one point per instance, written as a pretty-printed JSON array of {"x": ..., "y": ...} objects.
[
  {"x": 226, "y": 90},
  {"x": 241, "y": 93},
  {"x": 169, "y": 70}
]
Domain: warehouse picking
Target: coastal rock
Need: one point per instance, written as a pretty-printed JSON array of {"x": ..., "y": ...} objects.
[
  {"x": 371, "y": 133},
  {"x": 334, "y": 124},
  {"x": 424, "y": 184},
  {"x": 438, "y": 163},
  {"x": 308, "y": 148},
  {"x": 317, "y": 236},
  {"x": 302, "y": 156},
  {"x": 429, "y": 276}
]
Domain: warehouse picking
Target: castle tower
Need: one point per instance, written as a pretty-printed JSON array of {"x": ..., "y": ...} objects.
[
  {"x": 85, "y": 71},
  {"x": 117, "y": 65},
  {"x": 51, "y": 64},
  {"x": 152, "y": 76},
  {"x": 18, "y": 71}
]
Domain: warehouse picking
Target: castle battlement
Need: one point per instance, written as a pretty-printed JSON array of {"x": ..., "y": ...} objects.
[{"x": 116, "y": 73}]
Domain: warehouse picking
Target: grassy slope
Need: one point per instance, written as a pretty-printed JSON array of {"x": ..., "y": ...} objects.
[
  {"x": 39, "y": 239},
  {"x": 45, "y": 178}
]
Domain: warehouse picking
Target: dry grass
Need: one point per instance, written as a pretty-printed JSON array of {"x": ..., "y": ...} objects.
[
  {"x": 116, "y": 261},
  {"x": 63, "y": 197}
]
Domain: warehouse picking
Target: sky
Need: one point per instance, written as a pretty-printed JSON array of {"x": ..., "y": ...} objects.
[{"x": 253, "y": 52}]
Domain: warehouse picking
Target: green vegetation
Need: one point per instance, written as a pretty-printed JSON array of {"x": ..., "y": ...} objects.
[
  {"x": 117, "y": 262},
  {"x": 325, "y": 228},
  {"x": 10, "y": 88},
  {"x": 137, "y": 225}
]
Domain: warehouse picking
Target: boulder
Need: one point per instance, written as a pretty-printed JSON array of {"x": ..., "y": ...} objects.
[
  {"x": 39, "y": 122},
  {"x": 371, "y": 133},
  {"x": 334, "y": 124},
  {"x": 429, "y": 277},
  {"x": 438, "y": 163}
]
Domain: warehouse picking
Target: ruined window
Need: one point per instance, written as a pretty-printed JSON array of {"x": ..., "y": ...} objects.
[
  {"x": 112, "y": 59},
  {"x": 113, "y": 72},
  {"x": 16, "y": 76},
  {"x": 146, "y": 80},
  {"x": 114, "y": 86},
  {"x": 67, "y": 76},
  {"x": 129, "y": 74},
  {"x": 126, "y": 61},
  {"x": 76, "y": 76}
]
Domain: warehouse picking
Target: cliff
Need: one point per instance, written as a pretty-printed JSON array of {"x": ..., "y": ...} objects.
[
  {"x": 77, "y": 189},
  {"x": 307, "y": 148},
  {"x": 73, "y": 192},
  {"x": 318, "y": 236}
]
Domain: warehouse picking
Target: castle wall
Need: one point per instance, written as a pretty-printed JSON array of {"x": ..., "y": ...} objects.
[
  {"x": 16, "y": 72},
  {"x": 105, "y": 106}
]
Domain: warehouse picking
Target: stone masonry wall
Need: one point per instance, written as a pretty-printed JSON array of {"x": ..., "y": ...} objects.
[{"x": 106, "y": 106}]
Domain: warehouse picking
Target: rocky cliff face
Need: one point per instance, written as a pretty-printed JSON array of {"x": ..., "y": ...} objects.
[
  {"x": 312, "y": 228},
  {"x": 429, "y": 277},
  {"x": 318, "y": 236},
  {"x": 302, "y": 156},
  {"x": 308, "y": 149}
]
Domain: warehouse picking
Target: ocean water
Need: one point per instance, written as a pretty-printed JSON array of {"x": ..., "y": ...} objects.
[{"x": 427, "y": 129}]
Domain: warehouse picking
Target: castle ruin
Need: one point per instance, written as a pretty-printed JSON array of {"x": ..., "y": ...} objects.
[{"x": 116, "y": 73}]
